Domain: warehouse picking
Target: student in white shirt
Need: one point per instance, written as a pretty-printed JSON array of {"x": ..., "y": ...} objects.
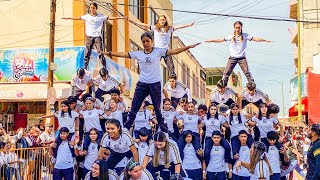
[
  {"x": 81, "y": 81},
  {"x": 190, "y": 122},
  {"x": 238, "y": 44},
  {"x": 243, "y": 155},
  {"x": 142, "y": 144},
  {"x": 216, "y": 169},
  {"x": 150, "y": 74},
  {"x": 177, "y": 91},
  {"x": 236, "y": 123},
  {"x": 115, "y": 95},
  {"x": 91, "y": 118},
  {"x": 119, "y": 143},
  {"x": 92, "y": 153},
  {"x": 94, "y": 22},
  {"x": 258, "y": 165},
  {"x": 64, "y": 166},
  {"x": 134, "y": 171},
  {"x": 112, "y": 113},
  {"x": 223, "y": 94},
  {"x": 106, "y": 82},
  {"x": 162, "y": 35},
  {"x": 47, "y": 137},
  {"x": 191, "y": 159},
  {"x": 213, "y": 122},
  {"x": 253, "y": 95},
  {"x": 100, "y": 171},
  {"x": 165, "y": 156},
  {"x": 170, "y": 119}
]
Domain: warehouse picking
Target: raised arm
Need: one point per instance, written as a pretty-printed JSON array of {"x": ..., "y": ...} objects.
[
  {"x": 115, "y": 17},
  {"x": 179, "y": 50},
  {"x": 183, "y": 26},
  {"x": 72, "y": 18},
  {"x": 215, "y": 40},
  {"x": 140, "y": 24},
  {"x": 260, "y": 40}
]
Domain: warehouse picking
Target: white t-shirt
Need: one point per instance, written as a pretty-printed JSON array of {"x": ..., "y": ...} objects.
[
  {"x": 121, "y": 145},
  {"x": 217, "y": 162},
  {"x": 94, "y": 24},
  {"x": 237, "y": 48},
  {"x": 190, "y": 160},
  {"x": 169, "y": 117},
  {"x": 64, "y": 156},
  {"x": 123, "y": 163},
  {"x": 236, "y": 126},
  {"x": 92, "y": 155},
  {"x": 256, "y": 97},
  {"x": 261, "y": 171},
  {"x": 2, "y": 159},
  {"x": 11, "y": 157},
  {"x": 265, "y": 125},
  {"x": 190, "y": 122},
  {"x": 174, "y": 156},
  {"x": 145, "y": 175},
  {"x": 142, "y": 119},
  {"x": 274, "y": 159},
  {"x": 66, "y": 120},
  {"x": 213, "y": 124},
  {"x": 115, "y": 115},
  {"x": 112, "y": 175},
  {"x": 91, "y": 119},
  {"x": 106, "y": 85},
  {"x": 179, "y": 91},
  {"x": 45, "y": 137},
  {"x": 150, "y": 65},
  {"x": 81, "y": 83},
  {"x": 244, "y": 155},
  {"x": 142, "y": 150},
  {"x": 216, "y": 96},
  {"x": 161, "y": 38}
]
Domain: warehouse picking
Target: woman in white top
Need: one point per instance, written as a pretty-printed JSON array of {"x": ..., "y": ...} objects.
[
  {"x": 91, "y": 118},
  {"x": 258, "y": 166},
  {"x": 162, "y": 35},
  {"x": 113, "y": 112},
  {"x": 134, "y": 171},
  {"x": 150, "y": 74},
  {"x": 100, "y": 171},
  {"x": 165, "y": 156},
  {"x": 94, "y": 22},
  {"x": 238, "y": 44},
  {"x": 119, "y": 143},
  {"x": 170, "y": 119}
]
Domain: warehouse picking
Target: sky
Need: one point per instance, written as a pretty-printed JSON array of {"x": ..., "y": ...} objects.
[{"x": 270, "y": 63}]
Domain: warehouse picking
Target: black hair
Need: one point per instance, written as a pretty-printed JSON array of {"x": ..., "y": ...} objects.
[
  {"x": 173, "y": 76},
  {"x": 72, "y": 99},
  {"x": 183, "y": 100},
  {"x": 231, "y": 114},
  {"x": 166, "y": 99},
  {"x": 103, "y": 169},
  {"x": 185, "y": 134},
  {"x": 216, "y": 116},
  {"x": 221, "y": 84},
  {"x": 216, "y": 133},
  {"x": 203, "y": 107},
  {"x": 273, "y": 109},
  {"x": 243, "y": 132},
  {"x": 2, "y": 144},
  {"x": 260, "y": 113},
  {"x": 95, "y": 130},
  {"x": 81, "y": 72},
  {"x": 251, "y": 86},
  {"x": 115, "y": 122},
  {"x": 64, "y": 129},
  {"x": 272, "y": 135},
  {"x": 103, "y": 72},
  {"x": 94, "y": 4},
  {"x": 85, "y": 96},
  {"x": 147, "y": 34},
  {"x": 65, "y": 102},
  {"x": 115, "y": 91},
  {"x": 160, "y": 137}
]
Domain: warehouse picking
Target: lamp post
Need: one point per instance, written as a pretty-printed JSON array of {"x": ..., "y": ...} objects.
[{"x": 282, "y": 94}]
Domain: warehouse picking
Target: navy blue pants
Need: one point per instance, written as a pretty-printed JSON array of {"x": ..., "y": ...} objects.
[
  {"x": 195, "y": 143},
  {"x": 59, "y": 174},
  {"x": 228, "y": 103},
  {"x": 275, "y": 176},
  {"x": 235, "y": 143},
  {"x": 195, "y": 174},
  {"x": 236, "y": 177},
  {"x": 141, "y": 92},
  {"x": 208, "y": 147},
  {"x": 175, "y": 101},
  {"x": 216, "y": 175},
  {"x": 246, "y": 102},
  {"x": 100, "y": 93},
  {"x": 86, "y": 141},
  {"x": 115, "y": 157},
  {"x": 85, "y": 172}
]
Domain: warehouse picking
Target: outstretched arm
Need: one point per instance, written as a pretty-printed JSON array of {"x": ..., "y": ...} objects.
[
  {"x": 140, "y": 24},
  {"x": 179, "y": 50},
  {"x": 260, "y": 40},
  {"x": 183, "y": 26},
  {"x": 72, "y": 18},
  {"x": 215, "y": 40},
  {"x": 115, "y": 17},
  {"x": 117, "y": 54}
]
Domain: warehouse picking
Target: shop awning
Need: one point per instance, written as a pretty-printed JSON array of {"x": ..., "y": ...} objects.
[
  {"x": 293, "y": 111},
  {"x": 32, "y": 91}
]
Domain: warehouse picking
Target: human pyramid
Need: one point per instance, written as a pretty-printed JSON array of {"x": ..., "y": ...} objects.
[{"x": 176, "y": 138}]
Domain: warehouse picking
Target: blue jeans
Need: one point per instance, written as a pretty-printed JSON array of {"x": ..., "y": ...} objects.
[
  {"x": 195, "y": 174},
  {"x": 208, "y": 147},
  {"x": 216, "y": 175},
  {"x": 236, "y": 177},
  {"x": 235, "y": 143},
  {"x": 195, "y": 143},
  {"x": 10, "y": 171},
  {"x": 275, "y": 176},
  {"x": 59, "y": 174},
  {"x": 86, "y": 141}
]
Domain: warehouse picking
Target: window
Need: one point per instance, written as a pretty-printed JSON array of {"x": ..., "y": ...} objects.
[
  {"x": 134, "y": 66},
  {"x": 194, "y": 86},
  {"x": 188, "y": 77},
  {"x": 184, "y": 74},
  {"x": 212, "y": 80},
  {"x": 136, "y": 9},
  {"x": 152, "y": 16},
  {"x": 203, "y": 90},
  {"x": 107, "y": 36}
]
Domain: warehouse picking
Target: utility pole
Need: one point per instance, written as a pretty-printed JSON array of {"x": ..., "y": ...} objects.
[
  {"x": 50, "y": 96},
  {"x": 299, "y": 62}
]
